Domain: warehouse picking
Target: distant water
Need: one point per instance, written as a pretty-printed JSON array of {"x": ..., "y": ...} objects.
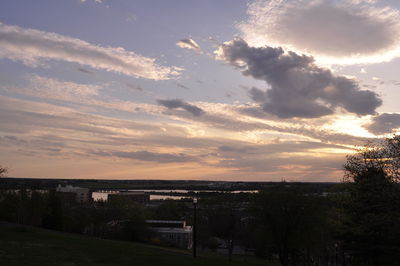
[
  {"x": 155, "y": 193},
  {"x": 104, "y": 196}
]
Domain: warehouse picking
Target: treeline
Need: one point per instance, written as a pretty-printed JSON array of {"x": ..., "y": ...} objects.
[
  {"x": 284, "y": 223},
  {"x": 189, "y": 185},
  {"x": 48, "y": 210}
]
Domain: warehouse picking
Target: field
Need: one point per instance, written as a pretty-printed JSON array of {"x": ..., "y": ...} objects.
[{"x": 33, "y": 246}]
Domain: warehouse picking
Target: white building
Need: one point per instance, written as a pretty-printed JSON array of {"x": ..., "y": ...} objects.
[{"x": 172, "y": 233}]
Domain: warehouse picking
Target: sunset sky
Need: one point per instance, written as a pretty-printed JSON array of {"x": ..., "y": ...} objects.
[{"x": 214, "y": 90}]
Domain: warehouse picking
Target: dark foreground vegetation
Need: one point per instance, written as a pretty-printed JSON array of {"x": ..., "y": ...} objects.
[
  {"x": 354, "y": 223},
  {"x": 24, "y": 245}
]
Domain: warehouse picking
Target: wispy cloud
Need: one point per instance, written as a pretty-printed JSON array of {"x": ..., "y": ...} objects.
[
  {"x": 189, "y": 44},
  {"x": 95, "y": 1},
  {"x": 182, "y": 86},
  {"x": 133, "y": 86},
  {"x": 57, "y": 89},
  {"x": 33, "y": 47},
  {"x": 80, "y": 95},
  {"x": 67, "y": 136},
  {"x": 150, "y": 156},
  {"x": 83, "y": 70},
  {"x": 236, "y": 119}
]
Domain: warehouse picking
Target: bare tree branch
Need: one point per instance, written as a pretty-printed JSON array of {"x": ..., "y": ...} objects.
[{"x": 3, "y": 171}]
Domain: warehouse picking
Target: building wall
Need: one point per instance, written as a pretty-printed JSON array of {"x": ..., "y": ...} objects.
[
  {"x": 172, "y": 233},
  {"x": 175, "y": 239}
]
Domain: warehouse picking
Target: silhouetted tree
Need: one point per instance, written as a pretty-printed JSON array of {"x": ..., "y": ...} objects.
[
  {"x": 222, "y": 223},
  {"x": 3, "y": 171},
  {"x": 291, "y": 224},
  {"x": 372, "y": 228},
  {"x": 135, "y": 227},
  {"x": 22, "y": 206},
  {"x": 36, "y": 207},
  {"x": 9, "y": 206},
  {"x": 53, "y": 218},
  {"x": 168, "y": 210}
]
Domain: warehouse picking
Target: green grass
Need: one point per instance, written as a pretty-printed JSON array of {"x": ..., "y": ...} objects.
[{"x": 33, "y": 246}]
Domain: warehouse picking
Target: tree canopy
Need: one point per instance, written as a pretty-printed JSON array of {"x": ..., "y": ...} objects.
[
  {"x": 372, "y": 225},
  {"x": 383, "y": 156}
]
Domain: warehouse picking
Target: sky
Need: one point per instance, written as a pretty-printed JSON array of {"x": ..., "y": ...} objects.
[{"x": 263, "y": 90}]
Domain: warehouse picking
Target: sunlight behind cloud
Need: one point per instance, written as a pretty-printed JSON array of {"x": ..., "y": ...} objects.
[
  {"x": 351, "y": 125},
  {"x": 334, "y": 32}
]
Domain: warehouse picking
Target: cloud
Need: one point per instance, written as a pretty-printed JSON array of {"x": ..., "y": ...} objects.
[
  {"x": 298, "y": 87},
  {"x": 34, "y": 47},
  {"x": 79, "y": 95},
  {"x": 254, "y": 158},
  {"x": 277, "y": 147},
  {"x": 131, "y": 17},
  {"x": 237, "y": 119},
  {"x": 150, "y": 156},
  {"x": 182, "y": 86},
  {"x": 189, "y": 44},
  {"x": 16, "y": 119},
  {"x": 83, "y": 70},
  {"x": 177, "y": 103},
  {"x": 335, "y": 32},
  {"x": 294, "y": 168},
  {"x": 60, "y": 135},
  {"x": 134, "y": 87},
  {"x": 57, "y": 89},
  {"x": 95, "y": 1},
  {"x": 384, "y": 123}
]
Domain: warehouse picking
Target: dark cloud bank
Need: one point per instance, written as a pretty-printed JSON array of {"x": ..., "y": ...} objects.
[
  {"x": 177, "y": 103},
  {"x": 298, "y": 87}
]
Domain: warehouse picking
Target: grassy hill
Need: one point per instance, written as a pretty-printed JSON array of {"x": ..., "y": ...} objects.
[{"x": 33, "y": 246}]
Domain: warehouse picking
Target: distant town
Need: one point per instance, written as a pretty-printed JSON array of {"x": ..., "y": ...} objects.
[{"x": 168, "y": 207}]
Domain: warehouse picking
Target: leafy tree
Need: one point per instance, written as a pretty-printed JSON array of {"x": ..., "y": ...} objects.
[
  {"x": 381, "y": 156},
  {"x": 372, "y": 227}
]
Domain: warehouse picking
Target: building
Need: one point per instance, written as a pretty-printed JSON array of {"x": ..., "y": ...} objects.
[
  {"x": 172, "y": 233},
  {"x": 129, "y": 197},
  {"x": 77, "y": 194}
]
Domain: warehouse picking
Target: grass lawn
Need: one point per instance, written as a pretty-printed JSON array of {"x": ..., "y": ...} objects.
[{"x": 34, "y": 246}]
